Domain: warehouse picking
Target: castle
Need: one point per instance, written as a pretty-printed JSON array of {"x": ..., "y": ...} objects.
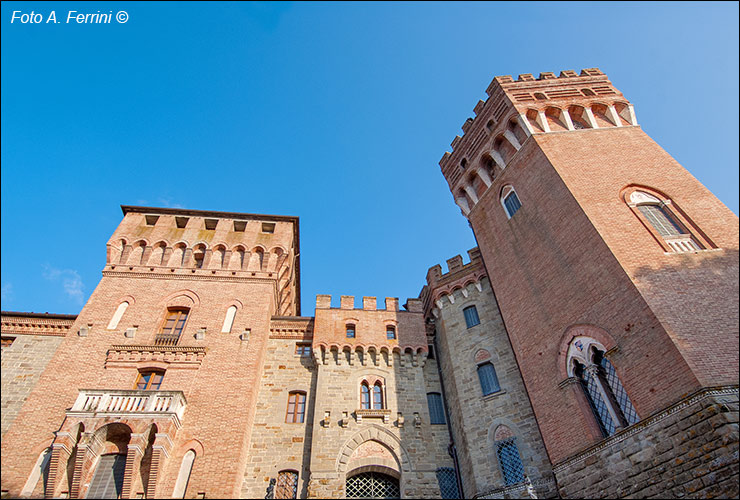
[{"x": 588, "y": 348}]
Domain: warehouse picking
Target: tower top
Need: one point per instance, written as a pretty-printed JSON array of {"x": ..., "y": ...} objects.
[{"x": 517, "y": 109}]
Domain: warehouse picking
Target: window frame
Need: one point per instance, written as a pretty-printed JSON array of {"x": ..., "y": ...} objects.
[
  {"x": 437, "y": 413},
  {"x": 279, "y": 489},
  {"x": 149, "y": 382},
  {"x": 294, "y": 398},
  {"x": 178, "y": 313},
  {"x": 350, "y": 327},
  {"x": 302, "y": 350},
  {"x": 506, "y": 192},
  {"x": 469, "y": 324},
  {"x": 497, "y": 385},
  {"x": 377, "y": 393},
  {"x": 365, "y": 396},
  {"x": 391, "y": 332}
]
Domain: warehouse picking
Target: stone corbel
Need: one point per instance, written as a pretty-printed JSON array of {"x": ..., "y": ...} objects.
[
  {"x": 542, "y": 121},
  {"x": 567, "y": 120},
  {"x": 590, "y": 118},
  {"x": 509, "y": 135}
]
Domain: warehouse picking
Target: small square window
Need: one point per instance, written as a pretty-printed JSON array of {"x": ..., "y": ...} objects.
[
  {"x": 181, "y": 222},
  {"x": 211, "y": 224},
  {"x": 240, "y": 226},
  {"x": 350, "y": 331},
  {"x": 7, "y": 341},
  {"x": 268, "y": 227},
  {"x": 303, "y": 349},
  {"x": 151, "y": 219}
]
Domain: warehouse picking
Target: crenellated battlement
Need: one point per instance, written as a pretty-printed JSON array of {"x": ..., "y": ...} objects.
[
  {"x": 368, "y": 303},
  {"x": 458, "y": 276},
  {"x": 518, "y": 109}
]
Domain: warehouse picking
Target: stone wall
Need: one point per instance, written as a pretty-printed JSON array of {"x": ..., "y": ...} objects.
[
  {"x": 35, "y": 338},
  {"x": 688, "y": 450},
  {"x": 277, "y": 445},
  {"x": 475, "y": 416},
  {"x": 404, "y": 442}
]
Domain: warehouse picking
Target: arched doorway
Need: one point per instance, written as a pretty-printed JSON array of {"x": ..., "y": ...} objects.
[{"x": 372, "y": 485}]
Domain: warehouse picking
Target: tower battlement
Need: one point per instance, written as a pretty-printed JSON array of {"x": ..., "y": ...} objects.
[
  {"x": 458, "y": 276},
  {"x": 518, "y": 109}
]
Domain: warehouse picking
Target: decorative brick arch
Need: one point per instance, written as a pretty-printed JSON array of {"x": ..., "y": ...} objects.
[
  {"x": 573, "y": 331},
  {"x": 382, "y": 436}
]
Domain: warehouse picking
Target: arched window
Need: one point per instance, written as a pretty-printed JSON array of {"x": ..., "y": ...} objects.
[
  {"x": 149, "y": 380},
  {"x": 364, "y": 396},
  {"x": 390, "y": 332},
  {"x": 372, "y": 485},
  {"x": 40, "y": 471},
  {"x": 296, "y": 407},
  {"x": 377, "y": 396},
  {"x": 666, "y": 226},
  {"x": 509, "y": 460},
  {"x": 174, "y": 323},
  {"x": 287, "y": 484},
  {"x": 510, "y": 201},
  {"x": 229, "y": 319},
  {"x": 350, "y": 331},
  {"x": 436, "y": 408},
  {"x": 117, "y": 315},
  {"x": 183, "y": 477},
  {"x": 488, "y": 379},
  {"x": 609, "y": 402}
]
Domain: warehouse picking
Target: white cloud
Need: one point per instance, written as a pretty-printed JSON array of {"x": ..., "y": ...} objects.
[
  {"x": 6, "y": 291},
  {"x": 71, "y": 281}
]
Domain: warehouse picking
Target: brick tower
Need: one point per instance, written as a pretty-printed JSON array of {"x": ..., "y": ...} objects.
[
  {"x": 616, "y": 273},
  {"x": 155, "y": 386}
]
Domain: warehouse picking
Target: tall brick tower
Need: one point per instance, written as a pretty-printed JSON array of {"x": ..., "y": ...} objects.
[
  {"x": 153, "y": 391},
  {"x": 616, "y": 273}
]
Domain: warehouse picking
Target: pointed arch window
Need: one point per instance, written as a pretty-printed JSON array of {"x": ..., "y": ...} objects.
[
  {"x": 607, "y": 397},
  {"x": 364, "y": 396},
  {"x": 377, "y": 396},
  {"x": 663, "y": 223}
]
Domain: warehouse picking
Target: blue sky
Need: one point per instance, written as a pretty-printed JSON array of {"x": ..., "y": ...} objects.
[{"x": 337, "y": 113}]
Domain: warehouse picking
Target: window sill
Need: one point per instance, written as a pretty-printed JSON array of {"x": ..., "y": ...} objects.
[{"x": 493, "y": 395}]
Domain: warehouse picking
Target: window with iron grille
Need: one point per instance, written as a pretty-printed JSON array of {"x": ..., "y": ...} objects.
[
  {"x": 488, "y": 379},
  {"x": 619, "y": 394},
  {"x": 471, "y": 316},
  {"x": 287, "y": 484},
  {"x": 296, "y": 407},
  {"x": 596, "y": 401},
  {"x": 447, "y": 481},
  {"x": 174, "y": 323},
  {"x": 510, "y": 461},
  {"x": 436, "y": 408},
  {"x": 372, "y": 485}
]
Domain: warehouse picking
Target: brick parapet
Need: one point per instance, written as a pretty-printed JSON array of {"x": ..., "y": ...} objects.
[
  {"x": 459, "y": 275},
  {"x": 370, "y": 325},
  {"x": 23, "y": 323}
]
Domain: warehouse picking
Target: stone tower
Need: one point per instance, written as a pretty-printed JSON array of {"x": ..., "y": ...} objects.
[
  {"x": 616, "y": 273},
  {"x": 156, "y": 383}
]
